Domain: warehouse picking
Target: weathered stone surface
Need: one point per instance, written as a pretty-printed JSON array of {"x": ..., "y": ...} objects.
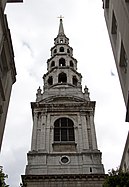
[{"x": 64, "y": 148}]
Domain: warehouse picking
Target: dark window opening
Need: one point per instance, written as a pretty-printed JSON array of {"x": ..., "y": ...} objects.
[
  {"x": 64, "y": 159},
  {"x": 90, "y": 169},
  {"x": 62, "y": 78},
  {"x": 55, "y": 51},
  {"x": 71, "y": 63},
  {"x": 61, "y": 62},
  {"x": 3, "y": 66},
  {"x": 50, "y": 80},
  {"x": 75, "y": 80},
  {"x": 64, "y": 130},
  {"x": 68, "y": 51},
  {"x": 53, "y": 63},
  {"x": 61, "y": 49},
  {"x": 106, "y": 3},
  {"x": 123, "y": 58},
  {"x": 114, "y": 24}
]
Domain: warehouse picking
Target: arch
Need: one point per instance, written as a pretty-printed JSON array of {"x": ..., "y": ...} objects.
[
  {"x": 68, "y": 51},
  {"x": 50, "y": 80},
  {"x": 52, "y": 63},
  {"x": 75, "y": 80},
  {"x": 62, "y": 78},
  {"x": 61, "y": 49},
  {"x": 64, "y": 130},
  {"x": 71, "y": 63},
  {"x": 55, "y": 50},
  {"x": 61, "y": 62}
]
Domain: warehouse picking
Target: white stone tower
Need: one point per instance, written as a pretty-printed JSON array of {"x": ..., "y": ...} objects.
[{"x": 64, "y": 148}]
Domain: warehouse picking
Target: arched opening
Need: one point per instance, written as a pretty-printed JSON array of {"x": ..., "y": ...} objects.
[
  {"x": 62, "y": 78},
  {"x": 68, "y": 51},
  {"x": 55, "y": 51},
  {"x": 50, "y": 80},
  {"x": 75, "y": 80},
  {"x": 64, "y": 130},
  {"x": 53, "y": 64},
  {"x": 71, "y": 63},
  {"x": 61, "y": 62},
  {"x": 61, "y": 49}
]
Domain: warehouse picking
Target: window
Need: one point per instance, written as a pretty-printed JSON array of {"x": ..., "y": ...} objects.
[
  {"x": 123, "y": 58},
  {"x": 55, "y": 51},
  {"x": 50, "y": 80},
  {"x": 61, "y": 49},
  {"x": 71, "y": 63},
  {"x": 114, "y": 28},
  {"x": 53, "y": 63},
  {"x": 126, "y": 1},
  {"x": 62, "y": 78},
  {"x": 3, "y": 66},
  {"x": 75, "y": 80},
  {"x": 114, "y": 24},
  {"x": 106, "y": 3},
  {"x": 68, "y": 51},
  {"x": 64, "y": 130},
  {"x": 61, "y": 62}
]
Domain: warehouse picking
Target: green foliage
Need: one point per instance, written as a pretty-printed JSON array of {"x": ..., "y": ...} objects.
[
  {"x": 117, "y": 178},
  {"x": 2, "y": 178}
]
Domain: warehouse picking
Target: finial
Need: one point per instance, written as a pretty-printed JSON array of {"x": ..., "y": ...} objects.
[
  {"x": 61, "y": 29},
  {"x": 60, "y": 17}
]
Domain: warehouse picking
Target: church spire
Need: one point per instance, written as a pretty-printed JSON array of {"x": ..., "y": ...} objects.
[{"x": 61, "y": 28}]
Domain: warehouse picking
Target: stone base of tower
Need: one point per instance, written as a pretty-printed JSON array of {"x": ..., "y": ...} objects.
[{"x": 85, "y": 180}]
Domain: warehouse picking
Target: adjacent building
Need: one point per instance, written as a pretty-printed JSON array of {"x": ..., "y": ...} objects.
[
  {"x": 7, "y": 66},
  {"x": 124, "y": 166},
  {"x": 117, "y": 19},
  {"x": 64, "y": 149}
]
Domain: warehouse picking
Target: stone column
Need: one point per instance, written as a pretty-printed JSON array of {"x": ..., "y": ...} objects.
[
  {"x": 48, "y": 133},
  {"x": 80, "y": 143},
  {"x": 34, "y": 133},
  {"x": 39, "y": 131},
  {"x": 43, "y": 132},
  {"x": 93, "y": 134},
  {"x": 84, "y": 132}
]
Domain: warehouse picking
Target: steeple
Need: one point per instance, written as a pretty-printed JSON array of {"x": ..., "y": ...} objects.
[
  {"x": 64, "y": 147},
  {"x": 61, "y": 28}
]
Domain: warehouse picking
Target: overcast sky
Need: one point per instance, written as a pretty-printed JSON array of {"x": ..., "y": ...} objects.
[{"x": 34, "y": 25}]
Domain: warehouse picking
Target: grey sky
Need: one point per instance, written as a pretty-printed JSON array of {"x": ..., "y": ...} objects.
[{"x": 34, "y": 25}]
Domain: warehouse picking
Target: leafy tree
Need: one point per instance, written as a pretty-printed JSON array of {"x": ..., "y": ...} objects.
[
  {"x": 2, "y": 178},
  {"x": 117, "y": 178}
]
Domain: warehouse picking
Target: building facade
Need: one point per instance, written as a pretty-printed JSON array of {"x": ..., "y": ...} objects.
[
  {"x": 7, "y": 66},
  {"x": 64, "y": 148},
  {"x": 124, "y": 165},
  {"x": 117, "y": 19}
]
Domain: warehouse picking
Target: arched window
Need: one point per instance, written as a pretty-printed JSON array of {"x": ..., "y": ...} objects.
[
  {"x": 64, "y": 130},
  {"x": 68, "y": 51},
  {"x": 61, "y": 62},
  {"x": 61, "y": 49},
  {"x": 50, "y": 80},
  {"x": 55, "y": 51},
  {"x": 62, "y": 78},
  {"x": 75, "y": 80},
  {"x": 71, "y": 63},
  {"x": 53, "y": 63}
]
